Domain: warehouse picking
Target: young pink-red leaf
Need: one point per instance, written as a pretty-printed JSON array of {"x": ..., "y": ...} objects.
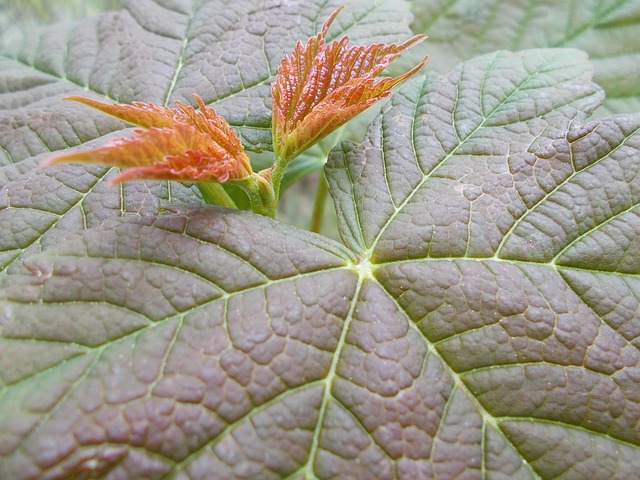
[
  {"x": 320, "y": 87},
  {"x": 174, "y": 144}
]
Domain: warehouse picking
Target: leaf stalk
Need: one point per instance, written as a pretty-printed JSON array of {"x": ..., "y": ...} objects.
[
  {"x": 319, "y": 203},
  {"x": 214, "y": 194}
]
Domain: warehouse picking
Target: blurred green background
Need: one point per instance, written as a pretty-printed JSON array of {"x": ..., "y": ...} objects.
[{"x": 17, "y": 16}]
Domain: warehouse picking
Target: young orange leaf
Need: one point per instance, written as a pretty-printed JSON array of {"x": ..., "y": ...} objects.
[
  {"x": 320, "y": 87},
  {"x": 174, "y": 144},
  {"x": 144, "y": 115}
]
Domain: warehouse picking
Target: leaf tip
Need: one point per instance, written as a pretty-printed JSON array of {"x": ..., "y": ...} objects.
[
  {"x": 90, "y": 102},
  {"x": 55, "y": 159},
  {"x": 327, "y": 23}
]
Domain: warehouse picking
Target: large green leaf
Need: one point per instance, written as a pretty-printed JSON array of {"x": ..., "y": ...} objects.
[
  {"x": 482, "y": 320},
  {"x": 609, "y": 30}
]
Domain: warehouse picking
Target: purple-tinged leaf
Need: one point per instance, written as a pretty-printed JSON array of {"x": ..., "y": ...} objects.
[{"x": 502, "y": 226}]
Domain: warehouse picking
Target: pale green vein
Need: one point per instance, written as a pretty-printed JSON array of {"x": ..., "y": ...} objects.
[
  {"x": 152, "y": 324},
  {"x": 7, "y": 154},
  {"x": 211, "y": 444},
  {"x": 535, "y": 363},
  {"x": 8, "y": 384},
  {"x": 357, "y": 235},
  {"x": 483, "y": 450},
  {"x": 169, "y": 266},
  {"x": 588, "y": 431},
  {"x": 418, "y": 102},
  {"x": 72, "y": 204},
  {"x": 385, "y": 167},
  {"x": 364, "y": 430},
  {"x": 596, "y": 226},
  {"x": 517, "y": 264},
  {"x": 443, "y": 416},
  {"x": 61, "y": 401},
  {"x": 328, "y": 382},
  {"x": 165, "y": 356},
  {"x": 335, "y": 249}
]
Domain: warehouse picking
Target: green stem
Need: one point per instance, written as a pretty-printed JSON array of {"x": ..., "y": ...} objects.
[
  {"x": 319, "y": 203},
  {"x": 215, "y": 194},
  {"x": 279, "y": 166}
]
